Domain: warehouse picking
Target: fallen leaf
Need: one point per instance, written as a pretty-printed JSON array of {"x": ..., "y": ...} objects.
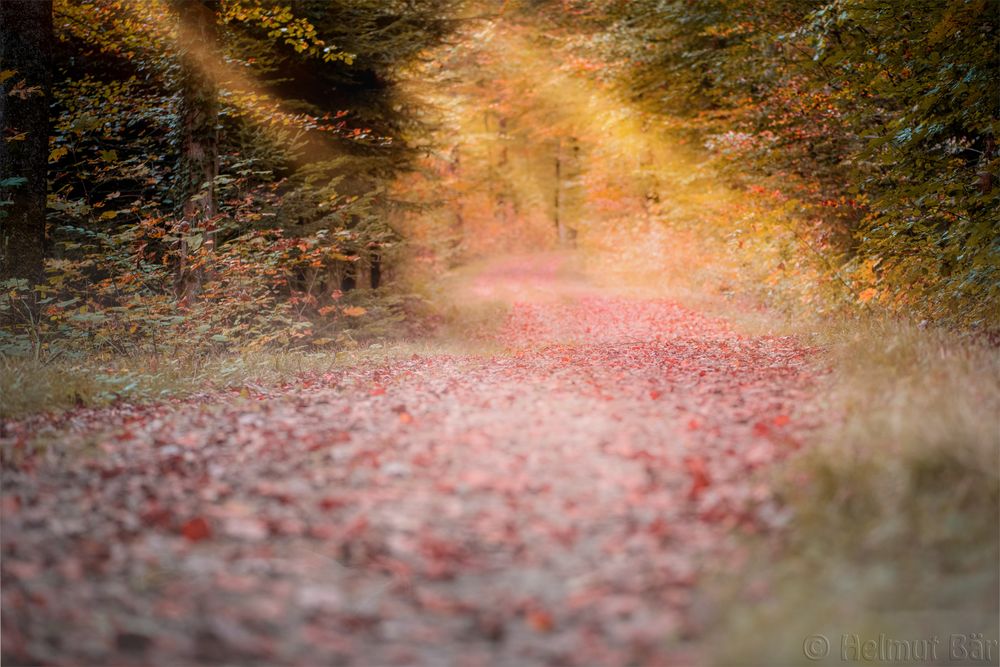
[
  {"x": 540, "y": 620},
  {"x": 196, "y": 529},
  {"x": 699, "y": 476}
]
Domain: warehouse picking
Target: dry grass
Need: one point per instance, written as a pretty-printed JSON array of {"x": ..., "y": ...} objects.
[
  {"x": 896, "y": 506},
  {"x": 29, "y": 387}
]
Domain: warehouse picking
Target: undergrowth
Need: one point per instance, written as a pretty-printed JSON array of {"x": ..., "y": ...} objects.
[{"x": 386, "y": 326}]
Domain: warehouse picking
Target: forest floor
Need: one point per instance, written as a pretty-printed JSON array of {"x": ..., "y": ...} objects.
[{"x": 556, "y": 500}]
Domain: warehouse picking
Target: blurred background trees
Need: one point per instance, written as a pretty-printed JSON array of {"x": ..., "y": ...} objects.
[
  {"x": 238, "y": 169},
  {"x": 878, "y": 118}
]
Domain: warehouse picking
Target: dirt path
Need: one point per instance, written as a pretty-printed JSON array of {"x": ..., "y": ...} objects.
[{"x": 555, "y": 504}]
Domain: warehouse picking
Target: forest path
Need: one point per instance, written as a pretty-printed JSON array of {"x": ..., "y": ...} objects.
[{"x": 556, "y": 503}]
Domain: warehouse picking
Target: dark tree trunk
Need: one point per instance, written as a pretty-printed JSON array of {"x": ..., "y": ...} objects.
[
  {"x": 26, "y": 49},
  {"x": 198, "y": 111},
  {"x": 198, "y": 135},
  {"x": 349, "y": 279},
  {"x": 375, "y": 268}
]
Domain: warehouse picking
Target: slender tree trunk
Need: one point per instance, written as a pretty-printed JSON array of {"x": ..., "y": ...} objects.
[
  {"x": 502, "y": 200},
  {"x": 375, "y": 267},
  {"x": 457, "y": 238},
  {"x": 26, "y": 50},
  {"x": 570, "y": 232},
  {"x": 349, "y": 278},
  {"x": 490, "y": 167},
  {"x": 557, "y": 192},
  {"x": 198, "y": 117}
]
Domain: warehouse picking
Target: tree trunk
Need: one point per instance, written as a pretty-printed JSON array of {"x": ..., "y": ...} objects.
[
  {"x": 557, "y": 191},
  {"x": 375, "y": 267},
  {"x": 457, "y": 236},
  {"x": 349, "y": 278},
  {"x": 502, "y": 200},
  {"x": 569, "y": 233},
  {"x": 198, "y": 134},
  {"x": 26, "y": 49}
]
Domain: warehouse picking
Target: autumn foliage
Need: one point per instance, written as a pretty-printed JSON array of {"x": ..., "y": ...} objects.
[
  {"x": 876, "y": 121},
  {"x": 534, "y": 332},
  {"x": 198, "y": 195}
]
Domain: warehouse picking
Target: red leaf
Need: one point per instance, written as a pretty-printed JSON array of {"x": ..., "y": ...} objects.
[
  {"x": 699, "y": 476},
  {"x": 540, "y": 620},
  {"x": 332, "y": 503},
  {"x": 196, "y": 529}
]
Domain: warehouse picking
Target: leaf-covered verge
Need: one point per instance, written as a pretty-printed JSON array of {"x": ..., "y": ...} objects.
[{"x": 894, "y": 510}]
